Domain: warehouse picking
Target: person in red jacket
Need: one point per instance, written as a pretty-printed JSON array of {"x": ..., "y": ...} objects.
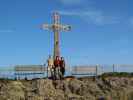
[
  {"x": 57, "y": 61},
  {"x": 62, "y": 66},
  {"x": 57, "y": 67}
]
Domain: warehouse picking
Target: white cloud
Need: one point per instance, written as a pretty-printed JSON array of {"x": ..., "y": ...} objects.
[
  {"x": 95, "y": 17},
  {"x": 131, "y": 21},
  {"x": 71, "y": 2},
  {"x": 6, "y": 31}
]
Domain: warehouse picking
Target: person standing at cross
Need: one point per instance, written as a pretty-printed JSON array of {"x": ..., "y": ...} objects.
[
  {"x": 62, "y": 66},
  {"x": 50, "y": 67},
  {"x": 57, "y": 67}
]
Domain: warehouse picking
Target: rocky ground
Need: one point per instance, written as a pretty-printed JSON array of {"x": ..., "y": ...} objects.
[{"x": 109, "y": 88}]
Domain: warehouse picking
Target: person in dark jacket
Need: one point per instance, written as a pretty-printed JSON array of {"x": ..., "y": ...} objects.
[{"x": 62, "y": 66}]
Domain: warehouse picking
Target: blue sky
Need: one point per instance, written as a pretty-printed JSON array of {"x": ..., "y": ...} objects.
[{"x": 101, "y": 31}]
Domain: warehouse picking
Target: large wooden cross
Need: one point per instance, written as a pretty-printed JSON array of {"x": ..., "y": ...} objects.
[{"x": 56, "y": 27}]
